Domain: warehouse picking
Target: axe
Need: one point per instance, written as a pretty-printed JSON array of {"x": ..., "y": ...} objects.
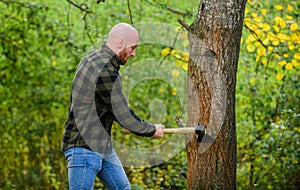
[{"x": 199, "y": 130}]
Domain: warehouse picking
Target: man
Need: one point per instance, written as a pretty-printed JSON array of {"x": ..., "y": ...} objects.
[{"x": 96, "y": 101}]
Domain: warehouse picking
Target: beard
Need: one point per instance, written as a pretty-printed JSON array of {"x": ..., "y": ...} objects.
[{"x": 123, "y": 56}]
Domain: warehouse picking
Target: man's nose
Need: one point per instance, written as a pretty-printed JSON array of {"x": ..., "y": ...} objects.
[{"x": 133, "y": 53}]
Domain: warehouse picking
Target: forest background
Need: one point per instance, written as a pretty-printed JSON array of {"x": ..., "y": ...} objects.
[{"x": 42, "y": 42}]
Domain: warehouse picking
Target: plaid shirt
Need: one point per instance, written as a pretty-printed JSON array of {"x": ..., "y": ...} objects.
[{"x": 96, "y": 101}]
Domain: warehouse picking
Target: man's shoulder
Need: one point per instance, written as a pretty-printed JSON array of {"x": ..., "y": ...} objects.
[
  {"x": 99, "y": 57},
  {"x": 96, "y": 62}
]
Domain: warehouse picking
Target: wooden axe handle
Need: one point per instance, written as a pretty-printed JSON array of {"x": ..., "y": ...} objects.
[{"x": 185, "y": 130}]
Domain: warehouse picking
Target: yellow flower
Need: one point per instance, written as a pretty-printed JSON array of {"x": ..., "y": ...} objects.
[
  {"x": 291, "y": 46},
  {"x": 253, "y": 27},
  {"x": 294, "y": 37},
  {"x": 297, "y": 56},
  {"x": 184, "y": 35},
  {"x": 247, "y": 20},
  {"x": 162, "y": 90},
  {"x": 175, "y": 51},
  {"x": 178, "y": 63},
  {"x": 185, "y": 43},
  {"x": 175, "y": 73},
  {"x": 266, "y": 27},
  {"x": 265, "y": 41},
  {"x": 258, "y": 19},
  {"x": 54, "y": 63},
  {"x": 260, "y": 33},
  {"x": 276, "y": 56},
  {"x": 270, "y": 49},
  {"x": 278, "y": 7},
  {"x": 185, "y": 66},
  {"x": 185, "y": 56},
  {"x": 264, "y": 61},
  {"x": 250, "y": 39},
  {"x": 271, "y": 36},
  {"x": 276, "y": 28},
  {"x": 176, "y": 54},
  {"x": 178, "y": 29},
  {"x": 254, "y": 15},
  {"x": 165, "y": 51},
  {"x": 252, "y": 80},
  {"x": 295, "y": 62},
  {"x": 294, "y": 26},
  {"x": 261, "y": 51},
  {"x": 278, "y": 19},
  {"x": 250, "y": 48},
  {"x": 289, "y": 66},
  {"x": 174, "y": 92},
  {"x": 283, "y": 37},
  {"x": 247, "y": 10},
  {"x": 275, "y": 42},
  {"x": 289, "y": 17},
  {"x": 257, "y": 59},
  {"x": 290, "y": 8},
  {"x": 257, "y": 44},
  {"x": 264, "y": 12},
  {"x": 282, "y": 63},
  {"x": 279, "y": 76},
  {"x": 282, "y": 24}
]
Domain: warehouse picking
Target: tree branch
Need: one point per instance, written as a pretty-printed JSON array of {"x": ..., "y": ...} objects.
[
  {"x": 183, "y": 24},
  {"x": 26, "y": 5},
  {"x": 129, "y": 9},
  {"x": 177, "y": 12},
  {"x": 82, "y": 8},
  {"x": 256, "y": 36},
  {"x": 178, "y": 122},
  {"x": 86, "y": 28},
  {"x": 163, "y": 6}
]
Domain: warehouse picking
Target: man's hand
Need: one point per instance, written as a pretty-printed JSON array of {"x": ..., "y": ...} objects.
[{"x": 159, "y": 133}]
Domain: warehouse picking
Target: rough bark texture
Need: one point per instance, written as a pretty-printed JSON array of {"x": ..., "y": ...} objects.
[{"x": 215, "y": 44}]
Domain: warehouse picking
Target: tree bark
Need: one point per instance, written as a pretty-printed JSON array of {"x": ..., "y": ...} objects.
[{"x": 214, "y": 52}]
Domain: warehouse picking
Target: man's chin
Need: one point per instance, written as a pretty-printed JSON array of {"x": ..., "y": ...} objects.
[{"x": 123, "y": 62}]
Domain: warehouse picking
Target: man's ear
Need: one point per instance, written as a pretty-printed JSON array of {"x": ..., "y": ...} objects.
[{"x": 120, "y": 44}]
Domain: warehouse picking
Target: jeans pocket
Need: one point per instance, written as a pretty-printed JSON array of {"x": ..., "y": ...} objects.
[{"x": 75, "y": 158}]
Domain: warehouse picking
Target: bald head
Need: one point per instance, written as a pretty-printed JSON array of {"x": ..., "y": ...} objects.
[{"x": 122, "y": 36}]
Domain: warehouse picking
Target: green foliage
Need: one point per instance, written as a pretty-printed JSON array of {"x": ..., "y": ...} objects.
[
  {"x": 34, "y": 94},
  {"x": 42, "y": 42},
  {"x": 268, "y": 97}
]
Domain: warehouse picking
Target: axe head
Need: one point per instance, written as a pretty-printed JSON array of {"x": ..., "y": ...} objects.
[{"x": 200, "y": 131}]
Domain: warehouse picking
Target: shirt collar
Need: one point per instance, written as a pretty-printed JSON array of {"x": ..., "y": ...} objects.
[{"x": 115, "y": 60}]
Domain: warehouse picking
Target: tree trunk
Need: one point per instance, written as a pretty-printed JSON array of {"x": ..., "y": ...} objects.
[{"x": 214, "y": 52}]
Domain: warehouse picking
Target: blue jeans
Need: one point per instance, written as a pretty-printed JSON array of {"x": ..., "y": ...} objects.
[{"x": 84, "y": 165}]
